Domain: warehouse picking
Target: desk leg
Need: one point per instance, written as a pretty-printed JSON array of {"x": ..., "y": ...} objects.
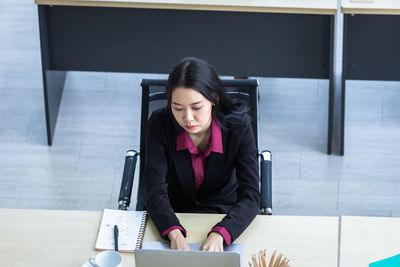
[
  {"x": 336, "y": 94},
  {"x": 331, "y": 85},
  {"x": 342, "y": 91},
  {"x": 53, "y": 81}
]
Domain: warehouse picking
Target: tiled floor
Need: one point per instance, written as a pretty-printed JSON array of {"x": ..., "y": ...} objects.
[{"x": 99, "y": 121}]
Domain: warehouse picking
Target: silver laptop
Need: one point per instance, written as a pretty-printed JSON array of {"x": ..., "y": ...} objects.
[{"x": 180, "y": 258}]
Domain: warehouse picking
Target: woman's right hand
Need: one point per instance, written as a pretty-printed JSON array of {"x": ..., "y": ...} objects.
[{"x": 178, "y": 241}]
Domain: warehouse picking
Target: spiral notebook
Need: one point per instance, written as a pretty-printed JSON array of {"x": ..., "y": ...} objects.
[{"x": 131, "y": 225}]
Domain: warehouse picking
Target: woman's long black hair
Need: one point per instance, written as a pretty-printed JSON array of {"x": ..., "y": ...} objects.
[{"x": 197, "y": 74}]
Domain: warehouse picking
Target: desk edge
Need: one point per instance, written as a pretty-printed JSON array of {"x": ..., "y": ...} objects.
[
  {"x": 370, "y": 11},
  {"x": 261, "y": 9}
]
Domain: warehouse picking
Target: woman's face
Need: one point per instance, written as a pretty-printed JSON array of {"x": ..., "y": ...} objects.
[{"x": 191, "y": 110}]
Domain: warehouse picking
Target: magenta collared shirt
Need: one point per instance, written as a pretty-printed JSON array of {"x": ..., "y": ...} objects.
[{"x": 183, "y": 142}]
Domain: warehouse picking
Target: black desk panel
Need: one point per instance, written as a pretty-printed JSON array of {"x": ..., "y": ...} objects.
[{"x": 373, "y": 47}]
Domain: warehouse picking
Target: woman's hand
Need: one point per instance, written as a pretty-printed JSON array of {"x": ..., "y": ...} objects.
[
  {"x": 178, "y": 241},
  {"x": 214, "y": 242}
]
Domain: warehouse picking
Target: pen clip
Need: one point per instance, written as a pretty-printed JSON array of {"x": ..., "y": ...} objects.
[{"x": 116, "y": 233}]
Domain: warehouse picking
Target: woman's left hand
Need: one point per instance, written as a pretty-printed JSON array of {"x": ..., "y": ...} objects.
[{"x": 214, "y": 242}]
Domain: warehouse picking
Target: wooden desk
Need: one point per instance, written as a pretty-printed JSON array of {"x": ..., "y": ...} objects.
[
  {"x": 371, "y": 43},
  {"x": 49, "y": 238},
  {"x": 279, "y": 6},
  {"x": 375, "y": 7},
  {"x": 67, "y": 238},
  {"x": 368, "y": 239},
  {"x": 244, "y": 38}
]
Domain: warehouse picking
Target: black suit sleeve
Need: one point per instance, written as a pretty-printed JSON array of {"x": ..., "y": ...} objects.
[
  {"x": 155, "y": 169},
  {"x": 248, "y": 197}
]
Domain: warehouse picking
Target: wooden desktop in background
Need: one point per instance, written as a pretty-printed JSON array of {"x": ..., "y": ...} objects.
[
  {"x": 284, "y": 6},
  {"x": 377, "y": 7}
]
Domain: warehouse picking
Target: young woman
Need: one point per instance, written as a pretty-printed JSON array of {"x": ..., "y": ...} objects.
[{"x": 200, "y": 157}]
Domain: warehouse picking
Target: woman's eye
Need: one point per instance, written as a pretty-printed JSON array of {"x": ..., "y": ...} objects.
[
  {"x": 197, "y": 108},
  {"x": 178, "y": 109}
]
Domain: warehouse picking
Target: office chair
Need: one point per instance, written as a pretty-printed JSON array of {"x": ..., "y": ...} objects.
[{"x": 154, "y": 97}]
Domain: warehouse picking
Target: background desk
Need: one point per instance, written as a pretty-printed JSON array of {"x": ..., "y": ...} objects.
[
  {"x": 368, "y": 239},
  {"x": 371, "y": 44},
  {"x": 66, "y": 238},
  {"x": 262, "y": 38}
]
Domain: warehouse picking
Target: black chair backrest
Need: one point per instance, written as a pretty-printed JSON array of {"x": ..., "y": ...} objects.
[{"x": 154, "y": 97}]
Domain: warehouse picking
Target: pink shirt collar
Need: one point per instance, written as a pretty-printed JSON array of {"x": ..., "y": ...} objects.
[{"x": 183, "y": 141}]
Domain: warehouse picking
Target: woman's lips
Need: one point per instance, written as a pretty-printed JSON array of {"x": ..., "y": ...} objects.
[{"x": 191, "y": 127}]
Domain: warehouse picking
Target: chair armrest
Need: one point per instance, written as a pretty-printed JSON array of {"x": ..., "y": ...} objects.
[
  {"x": 127, "y": 180},
  {"x": 266, "y": 182}
]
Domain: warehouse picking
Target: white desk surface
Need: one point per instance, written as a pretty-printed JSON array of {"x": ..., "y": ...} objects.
[
  {"x": 378, "y": 7},
  {"x": 368, "y": 239},
  {"x": 279, "y": 6},
  {"x": 66, "y": 238}
]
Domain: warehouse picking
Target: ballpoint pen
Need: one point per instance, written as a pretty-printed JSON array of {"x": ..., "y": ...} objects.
[{"x": 116, "y": 232}]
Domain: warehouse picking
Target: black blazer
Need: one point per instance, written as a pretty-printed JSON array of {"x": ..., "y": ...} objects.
[{"x": 230, "y": 179}]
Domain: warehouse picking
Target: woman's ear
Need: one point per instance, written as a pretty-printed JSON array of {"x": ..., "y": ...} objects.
[{"x": 216, "y": 100}]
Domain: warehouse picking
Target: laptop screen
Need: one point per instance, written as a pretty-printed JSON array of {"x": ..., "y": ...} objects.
[{"x": 180, "y": 258}]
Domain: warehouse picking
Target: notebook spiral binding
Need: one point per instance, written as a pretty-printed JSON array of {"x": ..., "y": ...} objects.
[{"x": 142, "y": 228}]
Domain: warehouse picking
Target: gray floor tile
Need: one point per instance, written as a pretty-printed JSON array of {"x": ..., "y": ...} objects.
[
  {"x": 363, "y": 167},
  {"x": 13, "y": 128},
  {"x": 37, "y": 129},
  {"x": 314, "y": 166},
  {"x": 41, "y": 157},
  {"x": 390, "y": 110},
  {"x": 396, "y": 213},
  {"x": 304, "y": 195},
  {"x": 286, "y": 165},
  {"x": 67, "y": 190},
  {"x": 369, "y": 195},
  {"x": 102, "y": 158},
  {"x": 332, "y": 212},
  {"x": 372, "y": 139}
]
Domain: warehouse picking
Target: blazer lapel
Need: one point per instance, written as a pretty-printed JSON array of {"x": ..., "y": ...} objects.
[{"x": 184, "y": 171}]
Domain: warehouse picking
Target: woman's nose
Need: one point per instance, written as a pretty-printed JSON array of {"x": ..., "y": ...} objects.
[{"x": 189, "y": 115}]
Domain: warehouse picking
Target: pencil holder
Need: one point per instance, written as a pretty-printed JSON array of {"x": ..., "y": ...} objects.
[{"x": 261, "y": 260}]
